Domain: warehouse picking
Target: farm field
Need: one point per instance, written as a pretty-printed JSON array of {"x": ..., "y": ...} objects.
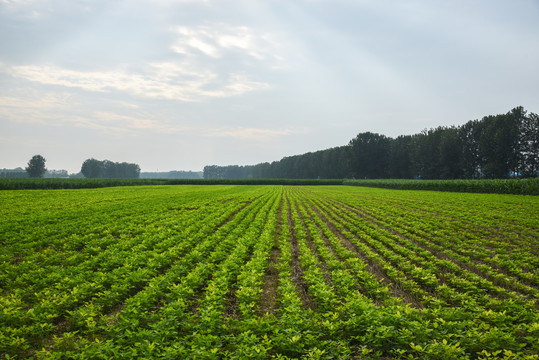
[{"x": 260, "y": 271}]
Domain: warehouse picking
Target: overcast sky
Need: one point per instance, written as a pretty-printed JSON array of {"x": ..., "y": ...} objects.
[{"x": 177, "y": 85}]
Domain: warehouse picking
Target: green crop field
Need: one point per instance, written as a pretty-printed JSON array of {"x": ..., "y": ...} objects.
[{"x": 284, "y": 272}]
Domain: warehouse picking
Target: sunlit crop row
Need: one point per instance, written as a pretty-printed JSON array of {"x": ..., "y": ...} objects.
[{"x": 268, "y": 272}]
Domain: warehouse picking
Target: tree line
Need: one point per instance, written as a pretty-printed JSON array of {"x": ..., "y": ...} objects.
[
  {"x": 96, "y": 169},
  {"x": 497, "y": 146},
  {"x": 91, "y": 168}
]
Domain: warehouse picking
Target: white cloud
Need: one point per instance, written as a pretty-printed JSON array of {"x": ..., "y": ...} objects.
[
  {"x": 53, "y": 113},
  {"x": 216, "y": 39},
  {"x": 165, "y": 80},
  {"x": 195, "y": 39},
  {"x": 43, "y": 101},
  {"x": 60, "y": 109},
  {"x": 30, "y": 106},
  {"x": 138, "y": 124},
  {"x": 63, "y": 110}
]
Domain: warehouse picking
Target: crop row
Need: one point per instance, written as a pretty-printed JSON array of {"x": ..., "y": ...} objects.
[{"x": 267, "y": 272}]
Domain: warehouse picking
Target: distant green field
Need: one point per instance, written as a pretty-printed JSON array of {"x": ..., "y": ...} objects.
[
  {"x": 284, "y": 272},
  {"x": 529, "y": 186},
  {"x": 28, "y": 183}
]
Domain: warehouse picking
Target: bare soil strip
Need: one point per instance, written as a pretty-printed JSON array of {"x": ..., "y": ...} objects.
[
  {"x": 297, "y": 274},
  {"x": 231, "y": 305},
  {"x": 268, "y": 303}
]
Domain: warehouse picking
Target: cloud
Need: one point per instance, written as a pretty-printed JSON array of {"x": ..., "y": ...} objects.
[
  {"x": 126, "y": 125},
  {"x": 217, "y": 39},
  {"x": 10, "y": 4},
  {"x": 27, "y": 105},
  {"x": 165, "y": 80},
  {"x": 43, "y": 101},
  {"x": 62, "y": 110}
]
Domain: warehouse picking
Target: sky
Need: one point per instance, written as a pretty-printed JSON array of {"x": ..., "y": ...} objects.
[{"x": 178, "y": 85}]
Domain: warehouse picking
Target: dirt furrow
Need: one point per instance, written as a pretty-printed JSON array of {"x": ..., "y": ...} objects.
[{"x": 297, "y": 274}]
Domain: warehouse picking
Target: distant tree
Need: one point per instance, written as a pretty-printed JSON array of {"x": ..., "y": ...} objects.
[
  {"x": 528, "y": 147},
  {"x": 78, "y": 175},
  {"x": 426, "y": 153},
  {"x": 470, "y": 134},
  {"x": 234, "y": 172},
  {"x": 450, "y": 154},
  {"x": 129, "y": 171},
  {"x": 56, "y": 174},
  {"x": 212, "y": 172},
  {"x": 262, "y": 170},
  {"x": 36, "y": 166},
  {"x": 13, "y": 173},
  {"x": 369, "y": 156},
  {"x": 498, "y": 144},
  {"x": 92, "y": 168},
  {"x": 333, "y": 163},
  {"x": 110, "y": 169},
  {"x": 495, "y": 147},
  {"x": 400, "y": 157}
]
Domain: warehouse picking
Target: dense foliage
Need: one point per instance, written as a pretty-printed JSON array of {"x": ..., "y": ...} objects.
[
  {"x": 237, "y": 272},
  {"x": 92, "y": 168},
  {"x": 500, "y": 146},
  {"x": 36, "y": 166}
]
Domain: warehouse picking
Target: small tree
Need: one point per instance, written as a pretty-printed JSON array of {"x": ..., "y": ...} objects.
[{"x": 36, "y": 166}]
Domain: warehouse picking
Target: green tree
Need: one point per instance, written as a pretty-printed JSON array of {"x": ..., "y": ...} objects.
[
  {"x": 470, "y": 135},
  {"x": 212, "y": 172},
  {"x": 498, "y": 144},
  {"x": 528, "y": 147},
  {"x": 400, "y": 157},
  {"x": 92, "y": 168},
  {"x": 333, "y": 163},
  {"x": 36, "y": 166},
  {"x": 450, "y": 154},
  {"x": 369, "y": 156},
  {"x": 426, "y": 153}
]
